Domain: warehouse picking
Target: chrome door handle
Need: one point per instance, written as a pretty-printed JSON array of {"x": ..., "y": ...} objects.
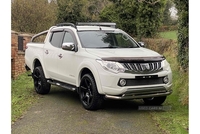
[
  {"x": 46, "y": 52},
  {"x": 60, "y": 56}
]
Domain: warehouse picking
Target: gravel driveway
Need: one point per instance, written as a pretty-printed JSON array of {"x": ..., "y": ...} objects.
[{"x": 61, "y": 112}]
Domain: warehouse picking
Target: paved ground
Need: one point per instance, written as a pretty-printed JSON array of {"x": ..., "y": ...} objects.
[{"x": 60, "y": 112}]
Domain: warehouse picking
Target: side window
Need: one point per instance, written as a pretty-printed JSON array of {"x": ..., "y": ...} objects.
[
  {"x": 40, "y": 38},
  {"x": 68, "y": 37},
  {"x": 56, "y": 39}
]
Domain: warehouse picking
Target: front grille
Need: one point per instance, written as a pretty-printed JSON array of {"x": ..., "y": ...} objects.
[
  {"x": 143, "y": 81},
  {"x": 150, "y": 67}
]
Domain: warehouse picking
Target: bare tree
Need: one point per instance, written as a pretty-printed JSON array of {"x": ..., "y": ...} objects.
[{"x": 32, "y": 15}]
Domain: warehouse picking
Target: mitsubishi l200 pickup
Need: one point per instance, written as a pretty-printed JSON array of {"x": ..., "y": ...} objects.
[{"x": 98, "y": 61}]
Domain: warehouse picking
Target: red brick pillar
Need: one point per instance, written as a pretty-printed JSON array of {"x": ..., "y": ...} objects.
[
  {"x": 14, "y": 49},
  {"x": 27, "y": 38},
  {"x": 17, "y": 56}
]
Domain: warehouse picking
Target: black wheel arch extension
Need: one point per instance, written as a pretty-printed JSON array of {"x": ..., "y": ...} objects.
[
  {"x": 37, "y": 63},
  {"x": 85, "y": 71}
]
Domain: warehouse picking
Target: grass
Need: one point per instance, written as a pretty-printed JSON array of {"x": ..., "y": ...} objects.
[
  {"x": 169, "y": 35},
  {"x": 22, "y": 95},
  {"x": 175, "y": 121}
]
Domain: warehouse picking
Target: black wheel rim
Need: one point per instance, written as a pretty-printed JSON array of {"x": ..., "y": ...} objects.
[
  {"x": 86, "y": 94},
  {"x": 37, "y": 80}
]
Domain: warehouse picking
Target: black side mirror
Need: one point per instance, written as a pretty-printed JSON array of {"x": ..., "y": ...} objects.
[{"x": 141, "y": 44}]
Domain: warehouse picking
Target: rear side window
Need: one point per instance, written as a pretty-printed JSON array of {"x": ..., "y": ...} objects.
[
  {"x": 39, "y": 39},
  {"x": 56, "y": 39}
]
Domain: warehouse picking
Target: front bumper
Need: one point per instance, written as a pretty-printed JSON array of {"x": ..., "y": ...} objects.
[
  {"x": 138, "y": 93},
  {"x": 112, "y": 90}
]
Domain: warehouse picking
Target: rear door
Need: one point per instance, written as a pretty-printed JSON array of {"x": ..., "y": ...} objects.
[{"x": 51, "y": 56}]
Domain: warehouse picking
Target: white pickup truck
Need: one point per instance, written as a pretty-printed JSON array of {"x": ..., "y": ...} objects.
[{"x": 100, "y": 62}]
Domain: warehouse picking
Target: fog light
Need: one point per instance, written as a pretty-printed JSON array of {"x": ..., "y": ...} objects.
[
  {"x": 122, "y": 82},
  {"x": 165, "y": 79}
]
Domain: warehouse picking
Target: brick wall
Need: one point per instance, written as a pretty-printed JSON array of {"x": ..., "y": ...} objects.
[{"x": 17, "y": 56}]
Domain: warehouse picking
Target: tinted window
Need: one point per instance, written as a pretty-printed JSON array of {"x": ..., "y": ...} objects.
[
  {"x": 56, "y": 39},
  {"x": 106, "y": 39},
  {"x": 68, "y": 37}
]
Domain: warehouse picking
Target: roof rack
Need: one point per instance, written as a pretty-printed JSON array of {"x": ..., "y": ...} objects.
[
  {"x": 66, "y": 24},
  {"x": 108, "y": 24}
]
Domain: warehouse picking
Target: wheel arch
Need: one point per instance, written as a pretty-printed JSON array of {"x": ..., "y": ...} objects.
[
  {"x": 90, "y": 70},
  {"x": 37, "y": 63}
]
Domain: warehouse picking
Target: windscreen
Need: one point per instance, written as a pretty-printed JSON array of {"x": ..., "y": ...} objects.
[{"x": 106, "y": 39}]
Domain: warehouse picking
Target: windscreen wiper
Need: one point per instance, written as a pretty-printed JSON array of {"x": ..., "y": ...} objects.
[{"x": 109, "y": 47}]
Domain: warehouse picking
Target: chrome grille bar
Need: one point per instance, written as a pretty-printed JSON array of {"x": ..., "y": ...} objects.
[{"x": 143, "y": 67}]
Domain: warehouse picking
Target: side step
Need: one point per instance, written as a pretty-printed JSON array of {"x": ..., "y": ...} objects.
[{"x": 63, "y": 85}]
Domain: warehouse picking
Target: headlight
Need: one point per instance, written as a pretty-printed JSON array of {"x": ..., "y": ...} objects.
[
  {"x": 166, "y": 65},
  {"x": 111, "y": 66}
]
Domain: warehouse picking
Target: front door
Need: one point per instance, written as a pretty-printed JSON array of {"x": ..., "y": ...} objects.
[{"x": 67, "y": 60}]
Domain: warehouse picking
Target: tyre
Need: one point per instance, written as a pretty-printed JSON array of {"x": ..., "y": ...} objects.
[
  {"x": 40, "y": 82},
  {"x": 89, "y": 96},
  {"x": 154, "y": 100}
]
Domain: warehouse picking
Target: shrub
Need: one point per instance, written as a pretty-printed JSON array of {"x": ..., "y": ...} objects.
[
  {"x": 168, "y": 28},
  {"x": 159, "y": 45}
]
